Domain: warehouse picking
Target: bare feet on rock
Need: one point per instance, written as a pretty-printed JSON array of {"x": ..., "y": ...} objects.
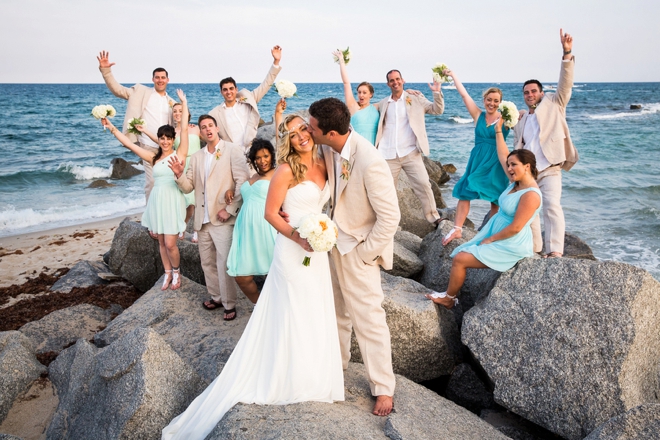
[{"x": 384, "y": 405}]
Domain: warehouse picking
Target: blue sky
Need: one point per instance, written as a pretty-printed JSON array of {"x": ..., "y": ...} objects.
[{"x": 47, "y": 41}]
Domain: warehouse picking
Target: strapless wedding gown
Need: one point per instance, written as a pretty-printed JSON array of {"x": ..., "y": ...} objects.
[{"x": 289, "y": 351}]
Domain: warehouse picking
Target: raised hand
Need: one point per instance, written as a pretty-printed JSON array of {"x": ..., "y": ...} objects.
[
  {"x": 176, "y": 165},
  {"x": 276, "y": 52},
  {"x": 140, "y": 128},
  {"x": 104, "y": 59},
  {"x": 339, "y": 55},
  {"x": 181, "y": 95},
  {"x": 566, "y": 41},
  {"x": 281, "y": 106},
  {"x": 436, "y": 86},
  {"x": 107, "y": 124}
]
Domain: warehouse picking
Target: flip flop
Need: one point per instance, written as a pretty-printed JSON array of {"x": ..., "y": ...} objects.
[
  {"x": 211, "y": 304},
  {"x": 229, "y": 312}
]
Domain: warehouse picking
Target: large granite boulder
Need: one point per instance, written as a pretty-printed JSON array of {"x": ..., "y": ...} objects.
[
  {"x": 569, "y": 343},
  {"x": 467, "y": 390},
  {"x": 640, "y": 423},
  {"x": 82, "y": 274},
  {"x": 425, "y": 339},
  {"x": 412, "y": 218},
  {"x": 200, "y": 337},
  {"x": 420, "y": 414},
  {"x": 18, "y": 368},
  {"x": 405, "y": 263},
  {"x": 122, "y": 169},
  {"x": 9, "y": 437},
  {"x": 575, "y": 247},
  {"x": 63, "y": 327},
  {"x": 409, "y": 241},
  {"x": 131, "y": 389},
  {"x": 134, "y": 255},
  {"x": 437, "y": 174}
]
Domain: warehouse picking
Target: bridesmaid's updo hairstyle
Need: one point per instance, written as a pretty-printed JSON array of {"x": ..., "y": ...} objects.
[
  {"x": 179, "y": 104},
  {"x": 257, "y": 146},
  {"x": 286, "y": 153},
  {"x": 167, "y": 131},
  {"x": 493, "y": 90},
  {"x": 526, "y": 157},
  {"x": 367, "y": 85}
]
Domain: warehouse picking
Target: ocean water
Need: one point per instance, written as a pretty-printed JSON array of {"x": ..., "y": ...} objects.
[{"x": 53, "y": 149}]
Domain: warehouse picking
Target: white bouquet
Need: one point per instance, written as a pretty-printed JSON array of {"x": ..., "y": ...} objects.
[
  {"x": 104, "y": 111},
  {"x": 510, "y": 113},
  {"x": 347, "y": 56},
  {"x": 286, "y": 89},
  {"x": 438, "y": 76},
  {"x": 321, "y": 233},
  {"x": 133, "y": 123}
]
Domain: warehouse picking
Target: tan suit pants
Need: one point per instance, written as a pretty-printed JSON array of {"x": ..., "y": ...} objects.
[
  {"x": 214, "y": 243},
  {"x": 549, "y": 182},
  {"x": 148, "y": 171},
  {"x": 358, "y": 305},
  {"x": 413, "y": 165}
]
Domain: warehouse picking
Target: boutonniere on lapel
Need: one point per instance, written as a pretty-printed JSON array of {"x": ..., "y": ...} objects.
[
  {"x": 242, "y": 99},
  {"x": 171, "y": 103},
  {"x": 345, "y": 170},
  {"x": 408, "y": 100},
  {"x": 217, "y": 154}
]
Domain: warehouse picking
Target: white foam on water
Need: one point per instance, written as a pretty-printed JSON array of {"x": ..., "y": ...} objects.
[
  {"x": 460, "y": 120},
  {"x": 449, "y": 87},
  {"x": 85, "y": 173},
  {"x": 647, "y": 109},
  {"x": 138, "y": 166}
]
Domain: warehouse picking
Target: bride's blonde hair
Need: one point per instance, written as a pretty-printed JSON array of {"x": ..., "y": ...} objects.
[{"x": 287, "y": 154}]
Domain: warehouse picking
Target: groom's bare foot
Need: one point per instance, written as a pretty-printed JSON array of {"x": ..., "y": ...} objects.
[{"x": 383, "y": 406}]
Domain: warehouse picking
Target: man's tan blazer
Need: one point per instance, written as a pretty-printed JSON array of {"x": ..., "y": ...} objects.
[
  {"x": 228, "y": 171},
  {"x": 416, "y": 108},
  {"x": 365, "y": 206},
  {"x": 251, "y": 98},
  {"x": 555, "y": 138},
  {"x": 137, "y": 97}
]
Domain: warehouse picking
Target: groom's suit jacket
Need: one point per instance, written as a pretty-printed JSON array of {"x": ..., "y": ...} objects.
[
  {"x": 251, "y": 98},
  {"x": 365, "y": 205},
  {"x": 416, "y": 108},
  {"x": 137, "y": 97},
  {"x": 228, "y": 171},
  {"x": 554, "y": 136}
]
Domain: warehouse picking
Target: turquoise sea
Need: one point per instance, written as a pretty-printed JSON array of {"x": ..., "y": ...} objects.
[{"x": 53, "y": 149}]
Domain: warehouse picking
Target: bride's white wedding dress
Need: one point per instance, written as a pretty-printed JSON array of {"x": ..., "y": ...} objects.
[{"x": 289, "y": 351}]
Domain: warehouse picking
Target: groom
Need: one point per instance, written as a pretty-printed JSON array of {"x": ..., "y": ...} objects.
[{"x": 364, "y": 206}]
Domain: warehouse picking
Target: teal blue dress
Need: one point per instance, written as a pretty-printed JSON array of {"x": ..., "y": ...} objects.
[
  {"x": 166, "y": 208},
  {"x": 365, "y": 122},
  {"x": 502, "y": 255},
  {"x": 254, "y": 238},
  {"x": 484, "y": 177}
]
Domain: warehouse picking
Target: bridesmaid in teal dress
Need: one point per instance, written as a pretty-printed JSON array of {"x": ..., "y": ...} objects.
[
  {"x": 364, "y": 115},
  {"x": 507, "y": 237},
  {"x": 484, "y": 178},
  {"x": 252, "y": 245},
  {"x": 164, "y": 214}
]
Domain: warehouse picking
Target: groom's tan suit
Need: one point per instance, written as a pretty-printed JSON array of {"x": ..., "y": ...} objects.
[
  {"x": 364, "y": 206},
  {"x": 228, "y": 171}
]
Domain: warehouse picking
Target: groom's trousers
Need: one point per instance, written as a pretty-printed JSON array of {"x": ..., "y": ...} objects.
[{"x": 358, "y": 305}]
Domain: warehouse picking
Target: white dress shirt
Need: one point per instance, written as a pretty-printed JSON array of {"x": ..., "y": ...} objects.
[
  {"x": 208, "y": 162},
  {"x": 531, "y": 142},
  {"x": 398, "y": 138},
  {"x": 156, "y": 114},
  {"x": 237, "y": 119},
  {"x": 345, "y": 242}
]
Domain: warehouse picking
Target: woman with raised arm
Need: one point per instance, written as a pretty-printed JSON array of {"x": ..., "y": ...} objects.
[
  {"x": 364, "y": 115},
  {"x": 166, "y": 207},
  {"x": 483, "y": 178}
]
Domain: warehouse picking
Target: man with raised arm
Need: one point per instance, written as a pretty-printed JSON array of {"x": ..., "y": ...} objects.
[
  {"x": 238, "y": 117},
  {"x": 543, "y": 130},
  {"x": 402, "y": 140},
  {"x": 152, "y": 104}
]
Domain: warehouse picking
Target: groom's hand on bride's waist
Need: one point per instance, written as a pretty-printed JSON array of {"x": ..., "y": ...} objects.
[{"x": 284, "y": 216}]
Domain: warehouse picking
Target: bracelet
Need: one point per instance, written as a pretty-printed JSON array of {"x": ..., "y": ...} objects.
[
  {"x": 293, "y": 231},
  {"x": 113, "y": 131},
  {"x": 566, "y": 53},
  {"x": 500, "y": 132}
]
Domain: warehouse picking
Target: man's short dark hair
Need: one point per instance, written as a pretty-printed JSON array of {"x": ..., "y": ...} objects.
[
  {"x": 533, "y": 81},
  {"x": 201, "y": 118},
  {"x": 331, "y": 114},
  {"x": 387, "y": 76},
  {"x": 159, "y": 69},
  {"x": 227, "y": 80}
]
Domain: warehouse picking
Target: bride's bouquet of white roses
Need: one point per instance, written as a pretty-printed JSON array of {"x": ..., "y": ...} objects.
[
  {"x": 438, "y": 76},
  {"x": 133, "y": 123},
  {"x": 510, "y": 113},
  {"x": 104, "y": 111},
  {"x": 286, "y": 89},
  {"x": 346, "y": 55},
  {"x": 321, "y": 233}
]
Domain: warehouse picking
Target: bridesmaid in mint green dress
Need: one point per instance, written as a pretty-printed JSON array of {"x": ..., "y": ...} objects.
[
  {"x": 252, "y": 245},
  {"x": 507, "y": 237}
]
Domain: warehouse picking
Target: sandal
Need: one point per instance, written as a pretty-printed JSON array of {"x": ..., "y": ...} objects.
[
  {"x": 176, "y": 280},
  {"x": 211, "y": 304},
  {"x": 450, "y": 235},
  {"x": 440, "y": 295},
  {"x": 166, "y": 281},
  {"x": 194, "y": 238},
  {"x": 553, "y": 255},
  {"x": 230, "y": 312}
]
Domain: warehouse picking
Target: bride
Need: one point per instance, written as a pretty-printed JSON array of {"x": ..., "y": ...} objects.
[{"x": 289, "y": 351}]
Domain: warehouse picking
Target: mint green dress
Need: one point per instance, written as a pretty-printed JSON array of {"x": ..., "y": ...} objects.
[
  {"x": 502, "y": 255},
  {"x": 166, "y": 208},
  {"x": 252, "y": 246},
  {"x": 484, "y": 177},
  {"x": 193, "y": 147},
  {"x": 365, "y": 122}
]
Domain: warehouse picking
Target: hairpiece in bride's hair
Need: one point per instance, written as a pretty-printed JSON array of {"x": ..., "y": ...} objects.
[{"x": 284, "y": 132}]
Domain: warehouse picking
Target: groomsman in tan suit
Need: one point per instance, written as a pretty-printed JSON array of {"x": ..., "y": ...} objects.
[
  {"x": 364, "y": 207},
  {"x": 238, "y": 117},
  {"x": 213, "y": 170},
  {"x": 544, "y": 131},
  {"x": 152, "y": 104},
  {"x": 402, "y": 139}
]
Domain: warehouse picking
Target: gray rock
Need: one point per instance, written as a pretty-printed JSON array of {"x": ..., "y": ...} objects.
[
  {"x": 437, "y": 196},
  {"x": 640, "y": 423},
  {"x": 449, "y": 168},
  {"x": 425, "y": 338},
  {"x": 100, "y": 183},
  {"x": 409, "y": 241},
  {"x": 134, "y": 255},
  {"x": 514, "y": 426},
  {"x": 9, "y": 437},
  {"x": 569, "y": 343},
  {"x": 82, "y": 274},
  {"x": 122, "y": 169},
  {"x": 450, "y": 214},
  {"x": 436, "y": 173},
  {"x": 199, "y": 336},
  {"x": 405, "y": 263},
  {"x": 62, "y": 327},
  {"x": 467, "y": 390},
  {"x": 635, "y": 106},
  {"x": 131, "y": 389},
  {"x": 412, "y": 218},
  {"x": 420, "y": 414},
  {"x": 267, "y": 132},
  {"x": 575, "y": 247},
  {"x": 18, "y": 368}
]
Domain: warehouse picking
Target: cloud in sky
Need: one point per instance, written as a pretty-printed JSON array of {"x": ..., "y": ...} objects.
[{"x": 201, "y": 41}]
